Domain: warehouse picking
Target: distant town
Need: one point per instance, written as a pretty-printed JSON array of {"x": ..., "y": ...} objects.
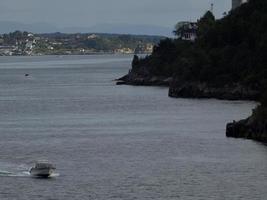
[{"x": 20, "y": 43}]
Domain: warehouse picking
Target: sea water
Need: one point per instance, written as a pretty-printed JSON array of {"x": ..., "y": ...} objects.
[{"x": 118, "y": 142}]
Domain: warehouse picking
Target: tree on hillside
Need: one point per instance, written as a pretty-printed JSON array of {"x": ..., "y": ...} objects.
[
  {"x": 205, "y": 24},
  {"x": 180, "y": 28}
]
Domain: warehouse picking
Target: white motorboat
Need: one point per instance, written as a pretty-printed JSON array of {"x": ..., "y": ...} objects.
[{"x": 42, "y": 168}]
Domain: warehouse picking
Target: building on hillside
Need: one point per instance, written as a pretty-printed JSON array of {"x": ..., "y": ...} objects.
[
  {"x": 186, "y": 31},
  {"x": 237, "y": 3},
  {"x": 144, "y": 48},
  {"x": 124, "y": 51},
  {"x": 92, "y": 36}
]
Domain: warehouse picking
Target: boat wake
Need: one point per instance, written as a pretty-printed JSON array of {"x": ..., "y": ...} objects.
[
  {"x": 54, "y": 175},
  {"x": 21, "y": 170},
  {"x": 14, "y": 174},
  {"x": 22, "y": 174}
]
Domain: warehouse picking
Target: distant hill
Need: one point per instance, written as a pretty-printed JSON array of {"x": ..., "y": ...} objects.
[
  {"x": 123, "y": 29},
  {"x": 23, "y": 43},
  {"x": 10, "y": 26}
]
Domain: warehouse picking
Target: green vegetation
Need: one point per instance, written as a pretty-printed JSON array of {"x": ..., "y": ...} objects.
[
  {"x": 229, "y": 57},
  {"x": 12, "y": 38},
  {"x": 98, "y": 42},
  {"x": 227, "y": 51},
  {"x": 24, "y": 43}
]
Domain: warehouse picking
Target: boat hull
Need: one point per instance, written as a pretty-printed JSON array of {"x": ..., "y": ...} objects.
[{"x": 41, "y": 172}]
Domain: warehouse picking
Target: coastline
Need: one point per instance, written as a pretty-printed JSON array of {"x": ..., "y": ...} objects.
[
  {"x": 250, "y": 128},
  {"x": 204, "y": 90},
  {"x": 139, "y": 80},
  {"x": 191, "y": 89},
  {"x": 72, "y": 54}
]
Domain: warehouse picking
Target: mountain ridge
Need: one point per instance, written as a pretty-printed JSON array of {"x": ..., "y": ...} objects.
[{"x": 135, "y": 29}]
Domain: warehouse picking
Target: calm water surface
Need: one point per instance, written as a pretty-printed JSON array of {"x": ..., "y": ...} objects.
[{"x": 117, "y": 142}]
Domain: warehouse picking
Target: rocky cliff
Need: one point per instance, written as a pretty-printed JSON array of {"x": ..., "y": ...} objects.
[
  {"x": 254, "y": 127},
  {"x": 191, "y": 89},
  {"x": 203, "y": 90},
  {"x": 133, "y": 78}
]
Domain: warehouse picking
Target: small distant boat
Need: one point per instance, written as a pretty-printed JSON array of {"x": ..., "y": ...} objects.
[{"x": 42, "y": 168}]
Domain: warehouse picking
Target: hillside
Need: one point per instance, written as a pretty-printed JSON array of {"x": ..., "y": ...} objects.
[
  {"x": 228, "y": 60},
  {"x": 41, "y": 27},
  {"x": 25, "y": 43}
]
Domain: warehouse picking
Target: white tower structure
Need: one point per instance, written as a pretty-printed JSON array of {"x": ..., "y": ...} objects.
[{"x": 211, "y": 7}]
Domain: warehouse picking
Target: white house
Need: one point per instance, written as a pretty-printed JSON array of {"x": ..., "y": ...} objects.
[{"x": 186, "y": 31}]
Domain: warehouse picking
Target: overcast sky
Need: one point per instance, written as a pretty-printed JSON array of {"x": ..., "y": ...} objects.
[{"x": 85, "y": 13}]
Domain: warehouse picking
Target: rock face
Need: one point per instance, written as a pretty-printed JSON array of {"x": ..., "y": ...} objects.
[
  {"x": 190, "y": 89},
  {"x": 248, "y": 129},
  {"x": 202, "y": 90},
  {"x": 136, "y": 79},
  {"x": 254, "y": 127}
]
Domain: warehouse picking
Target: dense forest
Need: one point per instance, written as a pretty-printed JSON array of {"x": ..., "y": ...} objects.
[{"x": 227, "y": 52}]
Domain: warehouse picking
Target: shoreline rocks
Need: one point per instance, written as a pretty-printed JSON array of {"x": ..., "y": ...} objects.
[
  {"x": 191, "y": 89},
  {"x": 136, "y": 79},
  {"x": 248, "y": 129},
  {"x": 203, "y": 90}
]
